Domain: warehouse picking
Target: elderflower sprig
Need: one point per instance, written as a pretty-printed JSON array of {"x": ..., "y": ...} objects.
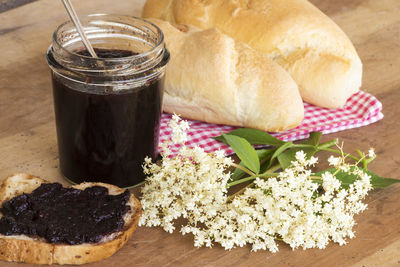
[{"x": 296, "y": 206}]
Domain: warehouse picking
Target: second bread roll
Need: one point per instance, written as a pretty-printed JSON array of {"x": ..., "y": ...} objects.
[
  {"x": 294, "y": 33},
  {"x": 212, "y": 78}
]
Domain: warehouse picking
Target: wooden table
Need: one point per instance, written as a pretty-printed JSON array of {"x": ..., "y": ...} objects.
[{"x": 28, "y": 137}]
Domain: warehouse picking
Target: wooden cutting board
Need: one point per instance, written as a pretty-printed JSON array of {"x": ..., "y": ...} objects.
[{"x": 28, "y": 137}]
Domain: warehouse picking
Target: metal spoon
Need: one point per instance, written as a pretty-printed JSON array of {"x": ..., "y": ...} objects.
[{"x": 74, "y": 17}]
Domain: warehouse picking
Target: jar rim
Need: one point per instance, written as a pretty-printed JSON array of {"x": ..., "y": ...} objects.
[
  {"x": 129, "y": 32},
  {"x": 158, "y": 46}
]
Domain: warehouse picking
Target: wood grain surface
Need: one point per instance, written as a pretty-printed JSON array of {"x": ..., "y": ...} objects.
[
  {"x": 10, "y": 4},
  {"x": 28, "y": 136}
]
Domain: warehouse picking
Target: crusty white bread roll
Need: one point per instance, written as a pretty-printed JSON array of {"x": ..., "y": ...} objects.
[
  {"x": 22, "y": 248},
  {"x": 294, "y": 33},
  {"x": 212, "y": 78}
]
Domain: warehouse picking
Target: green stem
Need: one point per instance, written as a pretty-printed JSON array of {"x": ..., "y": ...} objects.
[
  {"x": 272, "y": 169},
  {"x": 328, "y": 144},
  {"x": 302, "y": 146},
  {"x": 326, "y": 147},
  {"x": 249, "y": 178},
  {"x": 243, "y": 169},
  {"x": 363, "y": 160},
  {"x": 267, "y": 173},
  {"x": 339, "y": 152},
  {"x": 315, "y": 178},
  {"x": 319, "y": 147},
  {"x": 366, "y": 162},
  {"x": 360, "y": 154}
]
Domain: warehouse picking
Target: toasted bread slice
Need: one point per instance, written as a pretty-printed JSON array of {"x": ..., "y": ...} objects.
[{"x": 22, "y": 248}]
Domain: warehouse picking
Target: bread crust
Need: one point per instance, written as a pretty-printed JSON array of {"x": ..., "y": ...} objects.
[
  {"x": 213, "y": 78},
  {"x": 22, "y": 248},
  {"x": 294, "y": 33}
]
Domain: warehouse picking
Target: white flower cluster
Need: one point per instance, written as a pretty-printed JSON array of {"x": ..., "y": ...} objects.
[
  {"x": 290, "y": 207},
  {"x": 191, "y": 185}
]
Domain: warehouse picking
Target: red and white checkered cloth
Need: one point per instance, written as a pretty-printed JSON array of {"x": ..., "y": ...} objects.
[{"x": 360, "y": 110}]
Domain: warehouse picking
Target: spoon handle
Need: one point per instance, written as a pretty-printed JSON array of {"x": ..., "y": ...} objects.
[{"x": 74, "y": 17}]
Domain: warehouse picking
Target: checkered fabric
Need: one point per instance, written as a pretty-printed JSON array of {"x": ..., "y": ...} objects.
[{"x": 360, "y": 110}]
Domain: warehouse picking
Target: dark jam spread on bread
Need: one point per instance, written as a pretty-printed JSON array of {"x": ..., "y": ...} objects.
[{"x": 65, "y": 215}]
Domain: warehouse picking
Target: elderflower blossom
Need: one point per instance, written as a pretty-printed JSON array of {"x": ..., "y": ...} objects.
[
  {"x": 334, "y": 161},
  {"x": 289, "y": 207},
  {"x": 191, "y": 185},
  {"x": 371, "y": 153}
]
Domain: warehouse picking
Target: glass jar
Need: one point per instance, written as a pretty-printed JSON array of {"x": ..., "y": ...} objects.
[{"x": 107, "y": 109}]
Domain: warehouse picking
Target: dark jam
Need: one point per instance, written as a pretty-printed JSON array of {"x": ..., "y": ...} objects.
[
  {"x": 107, "y": 53},
  {"x": 105, "y": 136},
  {"x": 65, "y": 215}
]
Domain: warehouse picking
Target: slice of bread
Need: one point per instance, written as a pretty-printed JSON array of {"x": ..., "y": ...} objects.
[{"x": 22, "y": 248}]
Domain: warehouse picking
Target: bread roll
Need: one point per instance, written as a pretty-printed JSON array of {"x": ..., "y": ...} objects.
[
  {"x": 36, "y": 250},
  {"x": 294, "y": 33},
  {"x": 212, "y": 78}
]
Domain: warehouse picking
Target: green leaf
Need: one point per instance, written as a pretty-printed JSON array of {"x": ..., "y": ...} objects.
[
  {"x": 279, "y": 151},
  {"x": 263, "y": 154},
  {"x": 314, "y": 138},
  {"x": 380, "y": 182},
  {"x": 265, "y": 157},
  {"x": 237, "y": 173},
  {"x": 347, "y": 179},
  {"x": 244, "y": 151},
  {"x": 285, "y": 159},
  {"x": 254, "y": 137}
]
